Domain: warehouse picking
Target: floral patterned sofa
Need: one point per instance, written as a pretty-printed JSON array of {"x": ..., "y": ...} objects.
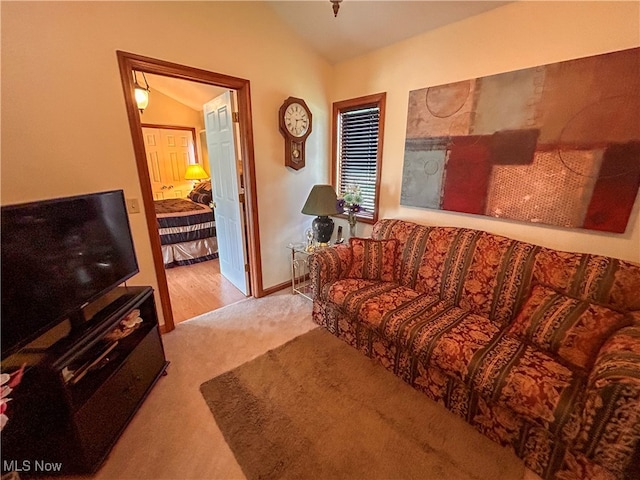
[{"x": 538, "y": 349}]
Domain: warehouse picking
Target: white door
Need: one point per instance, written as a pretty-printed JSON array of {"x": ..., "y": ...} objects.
[
  {"x": 178, "y": 148},
  {"x": 169, "y": 153},
  {"x": 221, "y": 146},
  {"x": 155, "y": 162}
]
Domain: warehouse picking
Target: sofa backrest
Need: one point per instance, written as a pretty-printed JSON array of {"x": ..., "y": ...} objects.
[
  {"x": 492, "y": 275},
  {"x": 428, "y": 258},
  {"x": 498, "y": 279},
  {"x": 484, "y": 273},
  {"x": 592, "y": 278}
]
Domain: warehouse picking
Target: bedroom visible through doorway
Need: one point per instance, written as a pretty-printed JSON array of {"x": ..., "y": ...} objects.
[
  {"x": 173, "y": 129},
  {"x": 193, "y": 77}
]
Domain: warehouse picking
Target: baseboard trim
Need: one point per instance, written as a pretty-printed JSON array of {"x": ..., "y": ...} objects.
[{"x": 276, "y": 288}]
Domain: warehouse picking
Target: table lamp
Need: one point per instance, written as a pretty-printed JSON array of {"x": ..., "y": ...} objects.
[
  {"x": 196, "y": 173},
  {"x": 322, "y": 201}
]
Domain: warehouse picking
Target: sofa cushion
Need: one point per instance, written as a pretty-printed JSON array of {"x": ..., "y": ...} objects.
[
  {"x": 373, "y": 259},
  {"x": 500, "y": 367},
  {"x": 398, "y": 230},
  {"x": 528, "y": 381},
  {"x": 398, "y": 325},
  {"x": 399, "y": 303},
  {"x": 379, "y": 304},
  {"x": 347, "y": 292},
  {"x": 449, "y": 339},
  {"x": 573, "y": 329},
  {"x": 354, "y": 295}
]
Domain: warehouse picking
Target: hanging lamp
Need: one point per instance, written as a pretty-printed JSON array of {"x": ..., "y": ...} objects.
[{"x": 141, "y": 93}]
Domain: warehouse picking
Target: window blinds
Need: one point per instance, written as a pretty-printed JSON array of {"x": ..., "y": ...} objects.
[{"x": 358, "y": 154}]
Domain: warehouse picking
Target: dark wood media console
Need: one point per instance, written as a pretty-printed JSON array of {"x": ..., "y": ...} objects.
[{"x": 82, "y": 385}]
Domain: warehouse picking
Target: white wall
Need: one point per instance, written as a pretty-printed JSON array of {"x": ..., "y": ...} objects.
[
  {"x": 516, "y": 36},
  {"x": 64, "y": 123}
]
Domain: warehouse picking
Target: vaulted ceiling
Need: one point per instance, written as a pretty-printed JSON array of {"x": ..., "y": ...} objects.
[{"x": 361, "y": 26}]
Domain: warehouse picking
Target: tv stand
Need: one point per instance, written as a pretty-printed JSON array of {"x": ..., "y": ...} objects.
[{"x": 80, "y": 391}]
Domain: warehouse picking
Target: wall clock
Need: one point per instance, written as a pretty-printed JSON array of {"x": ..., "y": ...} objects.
[{"x": 295, "y": 126}]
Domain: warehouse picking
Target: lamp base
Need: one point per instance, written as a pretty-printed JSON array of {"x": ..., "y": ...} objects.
[{"x": 322, "y": 229}]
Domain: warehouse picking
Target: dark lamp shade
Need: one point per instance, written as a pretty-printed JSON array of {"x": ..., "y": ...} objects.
[{"x": 322, "y": 201}]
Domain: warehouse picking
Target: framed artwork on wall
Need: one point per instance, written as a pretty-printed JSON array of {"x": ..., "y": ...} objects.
[{"x": 556, "y": 144}]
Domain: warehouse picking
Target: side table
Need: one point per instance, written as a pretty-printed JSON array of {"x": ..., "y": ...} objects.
[{"x": 300, "y": 283}]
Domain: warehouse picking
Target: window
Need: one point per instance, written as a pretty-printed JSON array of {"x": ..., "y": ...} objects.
[{"x": 358, "y": 127}]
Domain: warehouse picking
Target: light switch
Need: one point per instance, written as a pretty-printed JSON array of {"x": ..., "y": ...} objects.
[{"x": 132, "y": 205}]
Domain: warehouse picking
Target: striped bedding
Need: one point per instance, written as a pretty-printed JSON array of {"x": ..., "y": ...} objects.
[{"x": 187, "y": 231}]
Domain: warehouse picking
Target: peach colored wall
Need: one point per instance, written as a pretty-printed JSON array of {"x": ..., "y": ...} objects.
[
  {"x": 64, "y": 123},
  {"x": 65, "y": 130},
  {"x": 512, "y": 37}
]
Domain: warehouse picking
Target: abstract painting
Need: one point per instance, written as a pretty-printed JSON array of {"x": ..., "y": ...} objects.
[{"x": 557, "y": 144}]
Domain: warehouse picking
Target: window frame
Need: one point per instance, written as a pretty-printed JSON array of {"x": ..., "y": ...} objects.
[{"x": 375, "y": 100}]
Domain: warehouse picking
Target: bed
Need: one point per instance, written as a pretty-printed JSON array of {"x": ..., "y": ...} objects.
[{"x": 187, "y": 228}]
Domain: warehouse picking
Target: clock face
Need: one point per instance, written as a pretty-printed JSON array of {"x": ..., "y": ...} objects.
[{"x": 296, "y": 120}]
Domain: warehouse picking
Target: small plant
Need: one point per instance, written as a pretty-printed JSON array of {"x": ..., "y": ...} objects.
[{"x": 350, "y": 202}]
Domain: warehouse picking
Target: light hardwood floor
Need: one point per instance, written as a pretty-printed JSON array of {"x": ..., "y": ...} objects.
[{"x": 199, "y": 288}]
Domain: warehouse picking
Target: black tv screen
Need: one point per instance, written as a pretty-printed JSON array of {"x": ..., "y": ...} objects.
[{"x": 57, "y": 256}]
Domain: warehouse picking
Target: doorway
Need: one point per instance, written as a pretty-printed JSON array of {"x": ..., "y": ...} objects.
[
  {"x": 187, "y": 226},
  {"x": 128, "y": 63}
]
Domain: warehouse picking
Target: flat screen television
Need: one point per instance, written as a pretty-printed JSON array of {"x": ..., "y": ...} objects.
[{"x": 58, "y": 256}]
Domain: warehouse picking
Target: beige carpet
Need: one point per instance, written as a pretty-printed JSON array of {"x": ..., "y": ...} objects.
[
  {"x": 174, "y": 436},
  {"x": 317, "y": 408}
]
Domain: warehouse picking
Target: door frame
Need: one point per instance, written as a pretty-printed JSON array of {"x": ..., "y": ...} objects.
[{"x": 127, "y": 63}]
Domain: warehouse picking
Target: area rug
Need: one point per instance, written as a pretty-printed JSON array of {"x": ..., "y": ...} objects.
[{"x": 317, "y": 408}]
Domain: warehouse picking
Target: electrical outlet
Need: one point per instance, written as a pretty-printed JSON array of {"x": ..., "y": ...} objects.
[{"x": 132, "y": 205}]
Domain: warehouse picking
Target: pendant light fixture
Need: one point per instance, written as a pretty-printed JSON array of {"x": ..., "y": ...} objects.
[
  {"x": 336, "y": 6},
  {"x": 141, "y": 93}
]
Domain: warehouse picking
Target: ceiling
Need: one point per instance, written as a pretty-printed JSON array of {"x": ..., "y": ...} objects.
[
  {"x": 360, "y": 27},
  {"x": 191, "y": 94},
  {"x": 366, "y": 25}
]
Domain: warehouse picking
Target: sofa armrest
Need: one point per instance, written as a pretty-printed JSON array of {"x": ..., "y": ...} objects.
[
  {"x": 610, "y": 429},
  {"x": 328, "y": 265}
]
